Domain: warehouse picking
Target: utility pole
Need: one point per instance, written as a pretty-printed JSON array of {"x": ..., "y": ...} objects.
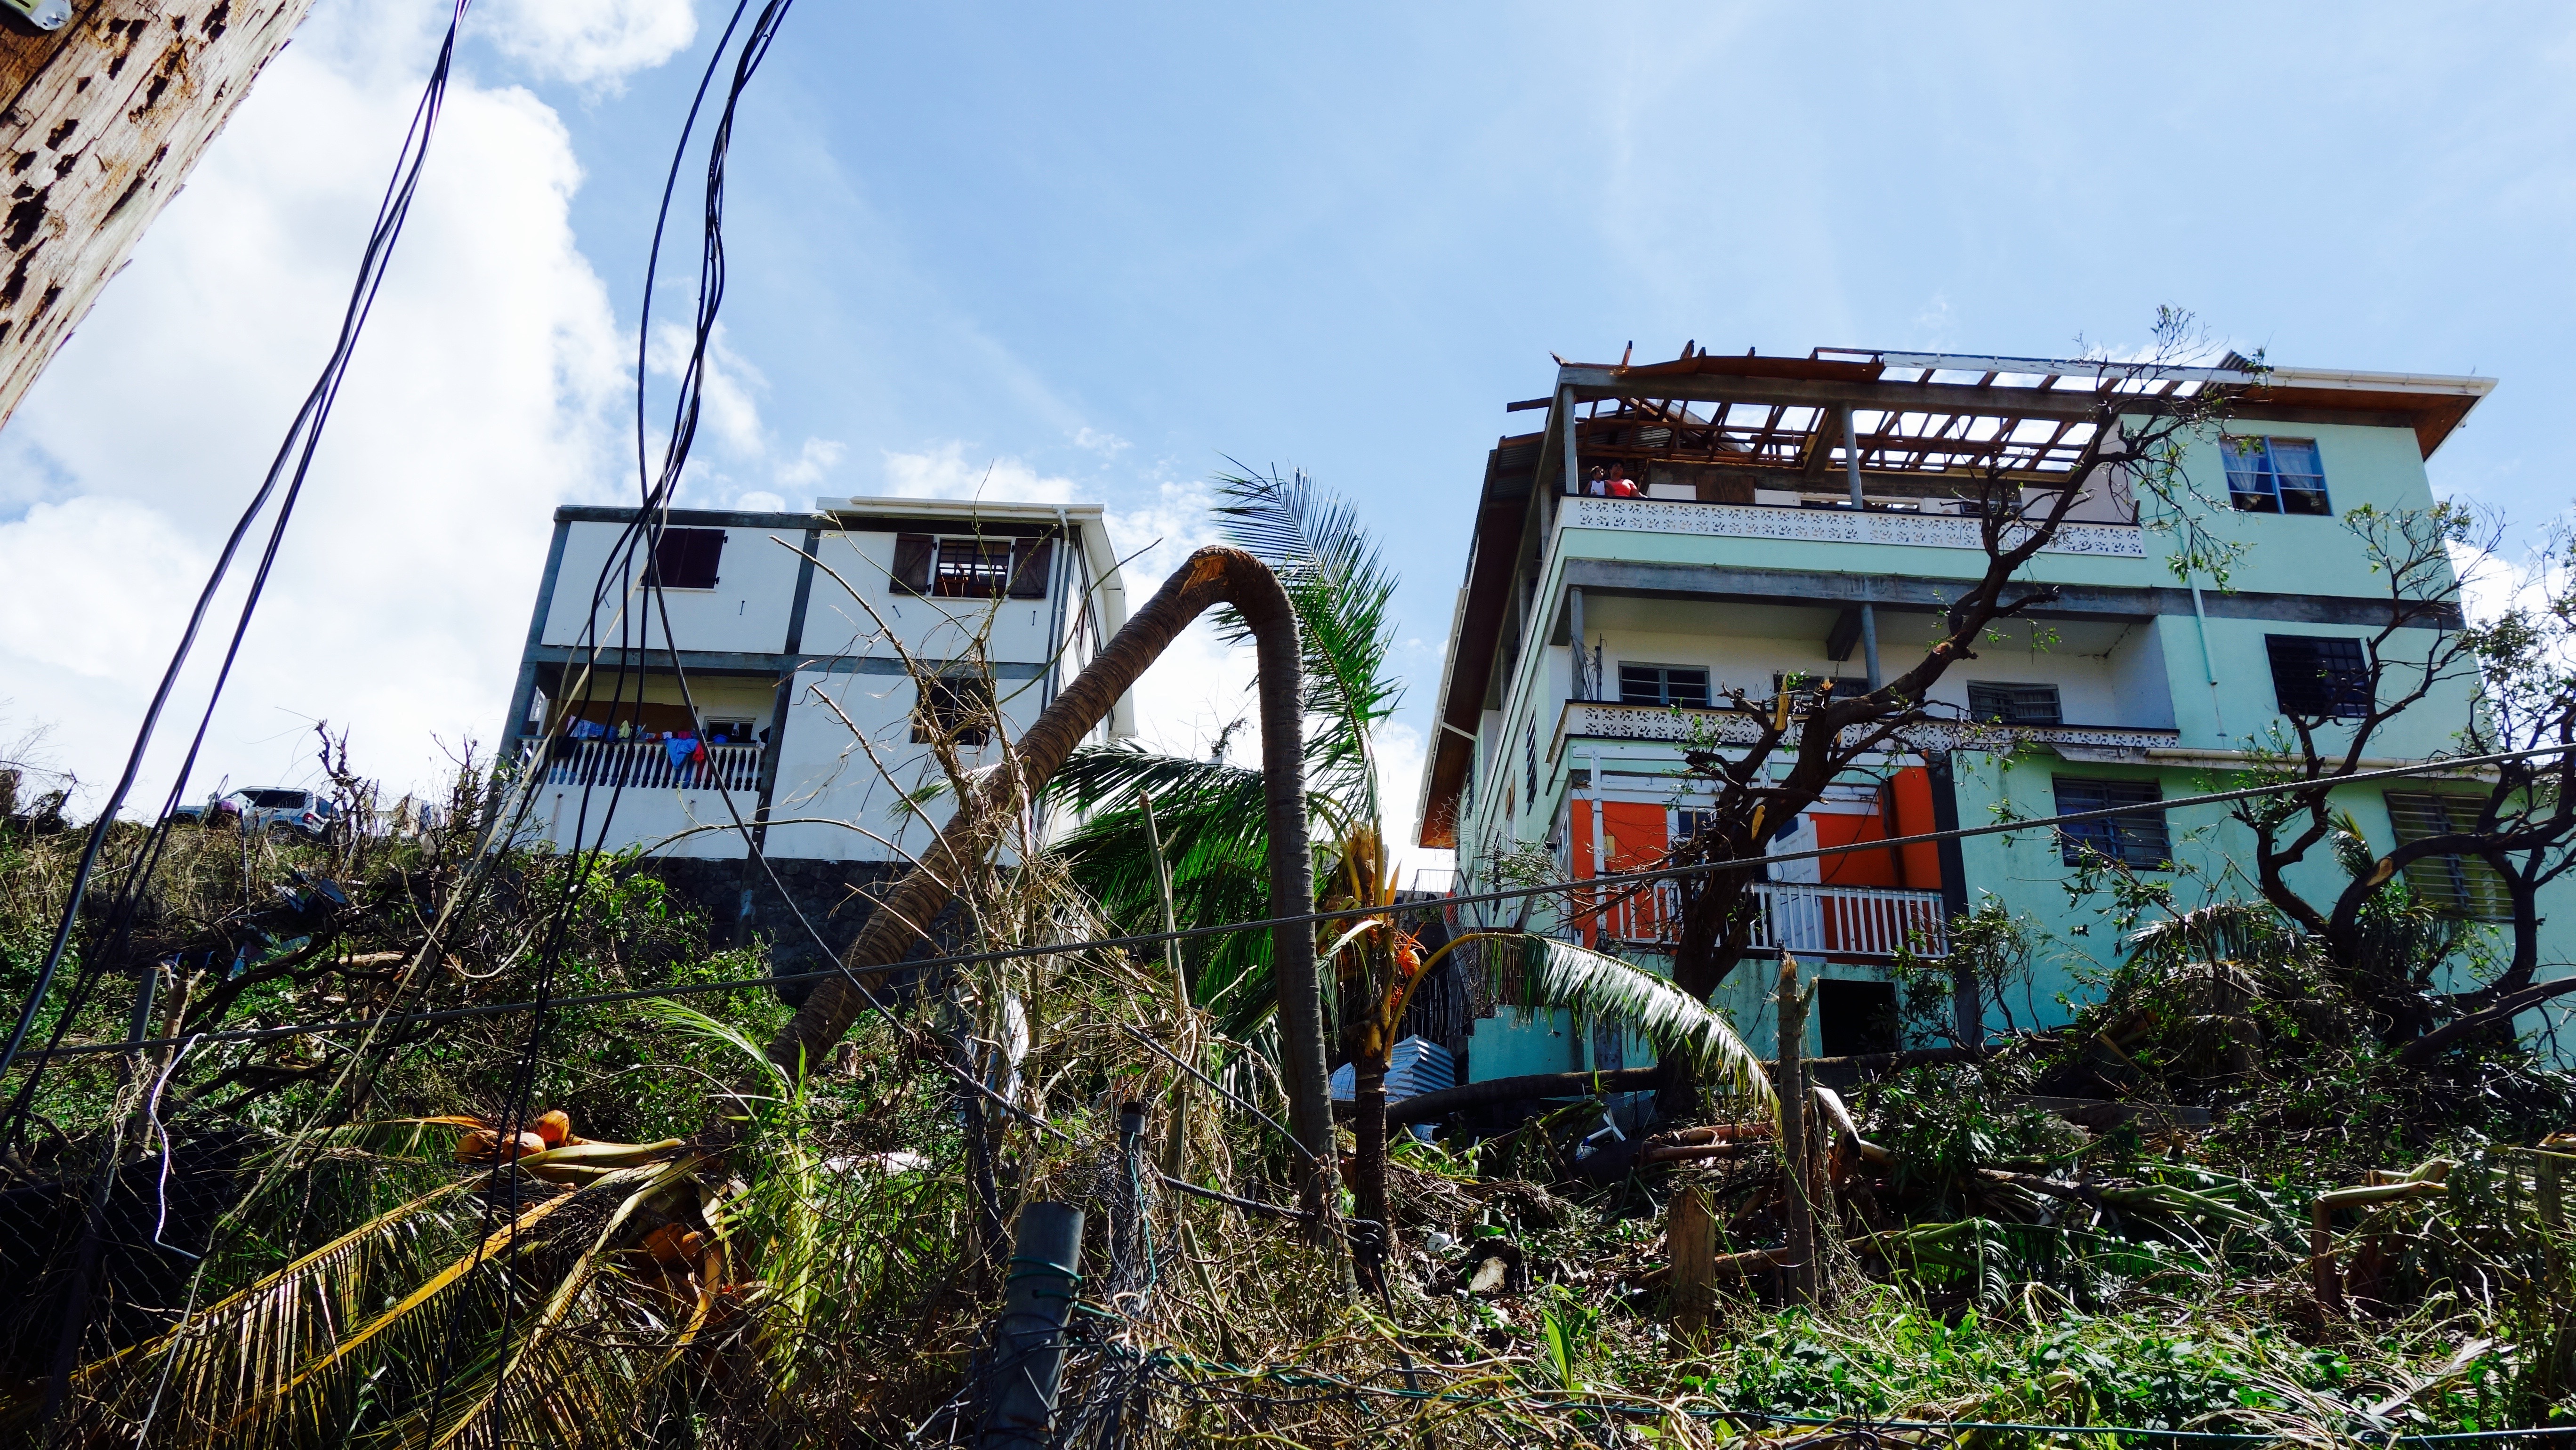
[{"x": 104, "y": 118}]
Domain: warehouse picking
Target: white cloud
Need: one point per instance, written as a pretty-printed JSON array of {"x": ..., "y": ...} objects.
[
  {"x": 592, "y": 43},
  {"x": 482, "y": 395},
  {"x": 816, "y": 458},
  {"x": 945, "y": 472},
  {"x": 726, "y": 382},
  {"x": 1108, "y": 445},
  {"x": 760, "y": 501}
]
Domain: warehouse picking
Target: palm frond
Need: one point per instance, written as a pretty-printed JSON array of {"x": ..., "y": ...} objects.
[
  {"x": 1344, "y": 596},
  {"x": 1590, "y": 984}
]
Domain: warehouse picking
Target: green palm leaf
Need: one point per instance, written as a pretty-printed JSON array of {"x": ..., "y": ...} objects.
[{"x": 1590, "y": 984}]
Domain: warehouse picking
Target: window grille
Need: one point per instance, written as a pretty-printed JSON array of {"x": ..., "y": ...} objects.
[
  {"x": 956, "y": 708},
  {"x": 2320, "y": 678},
  {"x": 1663, "y": 685},
  {"x": 2014, "y": 704},
  {"x": 2461, "y": 885},
  {"x": 2275, "y": 475},
  {"x": 2135, "y": 839}
]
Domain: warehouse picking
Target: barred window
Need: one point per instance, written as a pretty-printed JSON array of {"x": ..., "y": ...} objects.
[
  {"x": 2014, "y": 704},
  {"x": 1529, "y": 765},
  {"x": 2132, "y": 839},
  {"x": 2461, "y": 885},
  {"x": 2321, "y": 678},
  {"x": 1663, "y": 685},
  {"x": 954, "y": 707}
]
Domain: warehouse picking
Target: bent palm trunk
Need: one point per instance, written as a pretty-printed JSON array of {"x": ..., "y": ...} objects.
[{"x": 1212, "y": 576}]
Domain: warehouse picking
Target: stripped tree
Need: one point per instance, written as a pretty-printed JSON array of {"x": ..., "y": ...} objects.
[{"x": 2144, "y": 413}]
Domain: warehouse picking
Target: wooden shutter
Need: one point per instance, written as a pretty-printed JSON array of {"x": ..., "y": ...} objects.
[
  {"x": 1029, "y": 561},
  {"x": 912, "y": 556}
]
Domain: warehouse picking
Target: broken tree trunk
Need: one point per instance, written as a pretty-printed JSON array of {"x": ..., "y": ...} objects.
[
  {"x": 105, "y": 118},
  {"x": 1795, "y": 1170}
]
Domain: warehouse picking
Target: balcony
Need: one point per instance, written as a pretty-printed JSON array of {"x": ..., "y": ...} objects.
[
  {"x": 1837, "y": 526},
  {"x": 1846, "y": 923},
  {"x": 1602, "y": 720},
  {"x": 647, "y": 765}
]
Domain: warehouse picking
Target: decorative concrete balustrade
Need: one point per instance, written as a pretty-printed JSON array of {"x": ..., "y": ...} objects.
[{"x": 1837, "y": 526}]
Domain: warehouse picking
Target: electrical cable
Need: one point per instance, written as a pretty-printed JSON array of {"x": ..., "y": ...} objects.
[
  {"x": 1352, "y": 913},
  {"x": 303, "y": 436}
]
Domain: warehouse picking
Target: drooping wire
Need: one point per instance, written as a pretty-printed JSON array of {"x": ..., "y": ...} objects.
[{"x": 293, "y": 461}]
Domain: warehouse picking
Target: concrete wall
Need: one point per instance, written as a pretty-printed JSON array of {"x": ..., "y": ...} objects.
[{"x": 747, "y": 611}]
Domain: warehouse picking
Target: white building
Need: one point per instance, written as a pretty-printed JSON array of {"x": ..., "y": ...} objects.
[{"x": 800, "y": 716}]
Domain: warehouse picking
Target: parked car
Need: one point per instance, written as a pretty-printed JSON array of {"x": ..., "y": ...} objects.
[{"x": 265, "y": 809}]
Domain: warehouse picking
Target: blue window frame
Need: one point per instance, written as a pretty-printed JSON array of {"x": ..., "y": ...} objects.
[
  {"x": 2275, "y": 475},
  {"x": 2134, "y": 839}
]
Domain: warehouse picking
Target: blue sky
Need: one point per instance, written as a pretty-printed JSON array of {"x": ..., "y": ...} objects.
[{"x": 1089, "y": 252}]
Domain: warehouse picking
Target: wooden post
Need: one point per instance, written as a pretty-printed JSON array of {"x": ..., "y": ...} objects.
[
  {"x": 1690, "y": 1236},
  {"x": 1791, "y": 1088},
  {"x": 2321, "y": 1257},
  {"x": 2553, "y": 1189},
  {"x": 104, "y": 120}
]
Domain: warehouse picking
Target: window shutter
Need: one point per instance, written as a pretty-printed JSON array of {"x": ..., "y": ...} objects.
[
  {"x": 1030, "y": 559},
  {"x": 2463, "y": 885},
  {"x": 912, "y": 555}
]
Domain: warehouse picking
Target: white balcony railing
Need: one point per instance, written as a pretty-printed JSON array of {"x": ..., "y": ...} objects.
[
  {"x": 647, "y": 765},
  {"x": 1831, "y": 921},
  {"x": 1836, "y": 526}
]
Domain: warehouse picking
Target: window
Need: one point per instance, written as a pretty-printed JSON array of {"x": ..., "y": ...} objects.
[
  {"x": 2133, "y": 839},
  {"x": 1529, "y": 765},
  {"x": 729, "y": 732},
  {"x": 1801, "y": 683},
  {"x": 2275, "y": 475},
  {"x": 1662, "y": 685},
  {"x": 2462, "y": 885},
  {"x": 1853, "y": 1018},
  {"x": 1689, "y": 823},
  {"x": 2013, "y": 704},
  {"x": 2320, "y": 678},
  {"x": 957, "y": 708},
  {"x": 972, "y": 568},
  {"x": 686, "y": 558}
]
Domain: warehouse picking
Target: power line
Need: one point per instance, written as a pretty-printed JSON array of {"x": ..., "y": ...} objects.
[
  {"x": 303, "y": 436},
  {"x": 1352, "y": 913}
]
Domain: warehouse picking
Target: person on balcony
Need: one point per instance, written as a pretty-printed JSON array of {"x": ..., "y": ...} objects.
[
  {"x": 1618, "y": 485},
  {"x": 1598, "y": 485}
]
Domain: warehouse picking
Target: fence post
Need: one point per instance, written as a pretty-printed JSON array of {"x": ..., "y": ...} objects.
[
  {"x": 1690, "y": 1235},
  {"x": 2321, "y": 1257},
  {"x": 1028, "y": 1342},
  {"x": 2553, "y": 1191}
]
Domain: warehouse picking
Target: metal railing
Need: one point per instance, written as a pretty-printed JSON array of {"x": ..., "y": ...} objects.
[
  {"x": 1833, "y": 921},
  {"x": 647, "y": 765}
]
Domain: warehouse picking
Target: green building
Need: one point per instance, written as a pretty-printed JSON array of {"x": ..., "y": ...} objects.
[{"x": 1678, "y": 531}]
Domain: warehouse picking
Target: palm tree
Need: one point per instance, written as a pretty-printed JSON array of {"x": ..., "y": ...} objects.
[{"x": 1146, "y": 813}]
